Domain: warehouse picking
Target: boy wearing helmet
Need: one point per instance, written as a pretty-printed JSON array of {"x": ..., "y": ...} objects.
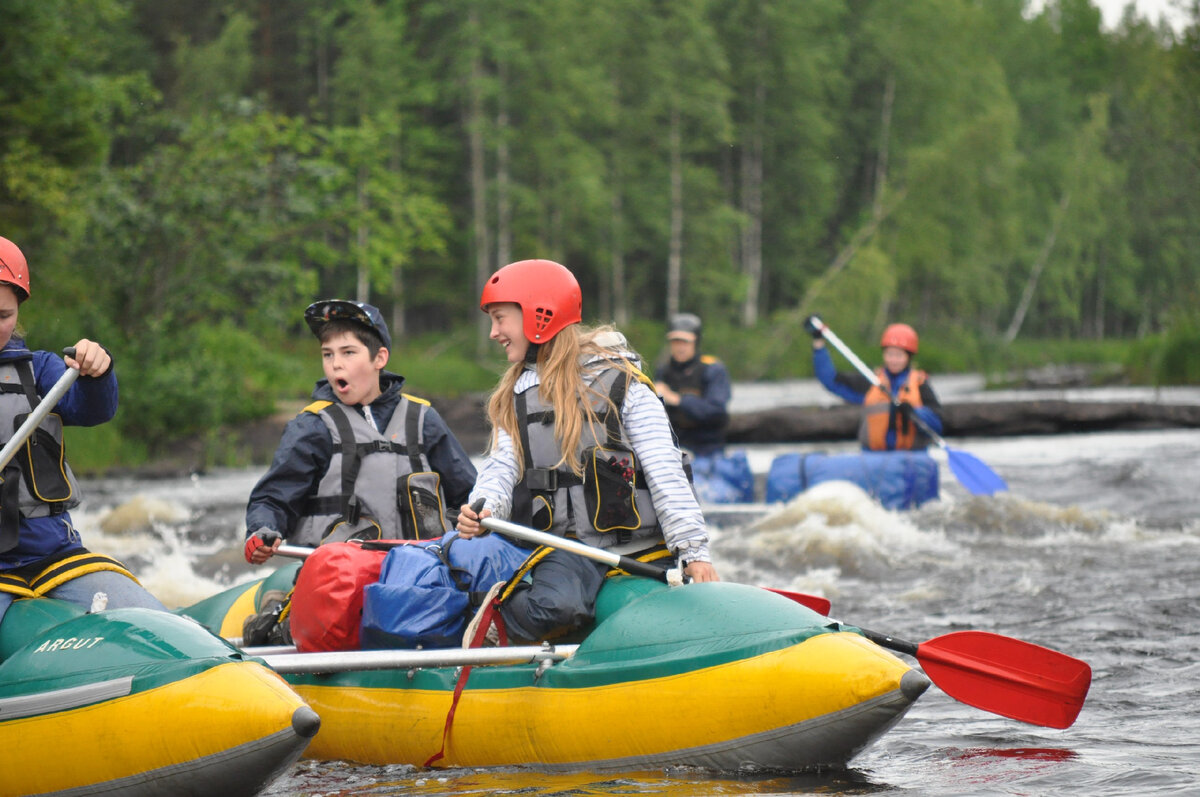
[
  {"x": 40, "y": 550},
  {"x": 363, "y": 460},
  {"x": 580, "y": 446},
  {"x": 887, "y": 423},
  {"x": 695, "y": 388}
]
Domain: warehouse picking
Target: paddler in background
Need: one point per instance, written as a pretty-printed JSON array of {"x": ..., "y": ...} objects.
[
  {"x": 887, "y": 423},
  {"x": 695, "y": 388}
]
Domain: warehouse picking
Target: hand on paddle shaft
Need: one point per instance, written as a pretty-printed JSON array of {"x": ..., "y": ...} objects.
[
  {"x": 88, "y": 357},
  {"x": 262, "y": 545},
  {"x": 473, "y": 516},
  {"x": 972, "y": 473},
  {"x": 85, "y": 357}
]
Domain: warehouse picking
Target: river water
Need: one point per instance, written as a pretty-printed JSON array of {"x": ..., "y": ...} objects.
[{"x": 1094, "y": 551}]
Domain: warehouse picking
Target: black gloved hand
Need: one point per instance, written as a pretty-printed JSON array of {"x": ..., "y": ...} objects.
[
  {"x": 905, "y": 410},
  {"x": 813, "y": 326}
]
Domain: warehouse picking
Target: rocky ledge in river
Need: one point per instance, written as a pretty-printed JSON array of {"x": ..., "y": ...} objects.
[
  {"x": 254, "y": 443},
  {"x": 969, "y": 419},
  {"x": 465, "y": 415}
]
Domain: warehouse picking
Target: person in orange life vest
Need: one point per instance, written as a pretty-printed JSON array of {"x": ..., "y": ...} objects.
[
  {"x": 887, "y": 425},
  {"x": 695, "y": 389}
]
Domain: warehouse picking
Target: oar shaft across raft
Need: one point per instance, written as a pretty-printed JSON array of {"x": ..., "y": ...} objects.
[
  {"x": 630, "y": 565},
  {"x": 359, "y": 660}
]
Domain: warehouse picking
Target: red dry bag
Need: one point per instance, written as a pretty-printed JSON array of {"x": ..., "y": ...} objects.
[{"x": 326, "y": 605}]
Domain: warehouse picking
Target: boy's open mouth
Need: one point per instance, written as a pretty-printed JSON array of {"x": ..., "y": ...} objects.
[{"x": 342, "y": 384}]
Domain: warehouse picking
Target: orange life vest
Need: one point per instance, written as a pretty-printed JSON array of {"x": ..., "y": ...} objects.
[{"x": 879, "y": 415}]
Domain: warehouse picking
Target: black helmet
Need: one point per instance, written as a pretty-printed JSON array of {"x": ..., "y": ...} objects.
[
  {"x": 318, "y": 314},
  {"x": 686, "y": 323}
]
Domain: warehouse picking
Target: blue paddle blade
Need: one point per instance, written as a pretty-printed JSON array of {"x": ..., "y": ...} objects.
[{"x": 977, "y": 477}]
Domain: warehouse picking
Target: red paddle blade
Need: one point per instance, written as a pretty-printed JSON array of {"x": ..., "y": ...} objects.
[
  {"x": 1007, "y": 676},
  {"x": 815, "y": 602}
]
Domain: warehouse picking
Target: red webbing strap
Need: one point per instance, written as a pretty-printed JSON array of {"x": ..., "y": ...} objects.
[{"x": 490, "y": 615}]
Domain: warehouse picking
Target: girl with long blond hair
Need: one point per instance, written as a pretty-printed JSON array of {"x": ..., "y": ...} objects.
[{"x": 581, "y": 447}]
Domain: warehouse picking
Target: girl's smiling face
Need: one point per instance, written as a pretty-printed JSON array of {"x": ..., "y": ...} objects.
[
  {"x": 508, "y": 329},
  {"x": 352, "y": 372}
]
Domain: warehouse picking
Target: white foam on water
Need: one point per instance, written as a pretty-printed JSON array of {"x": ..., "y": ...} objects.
[
  {"x": 148, "y": 534},
  {"x": 1041, "y": 524},
  {"x": 832, "y": 529}
]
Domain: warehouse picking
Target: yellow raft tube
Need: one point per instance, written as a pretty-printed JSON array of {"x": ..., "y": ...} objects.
[
  {"x": 135, "y": 702},
  {"x": 721, "y": 676}
]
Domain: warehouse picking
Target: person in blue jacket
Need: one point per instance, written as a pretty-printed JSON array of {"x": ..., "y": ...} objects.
[
  {"x": 888, "y": 415},
  {"x": 41, "y": 553},
  {"x": 364, "y": 460},
  {"x": 695, "y": 388}
]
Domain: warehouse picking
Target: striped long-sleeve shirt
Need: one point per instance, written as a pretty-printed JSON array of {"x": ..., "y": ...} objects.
[{"x": 649, "y": 432}]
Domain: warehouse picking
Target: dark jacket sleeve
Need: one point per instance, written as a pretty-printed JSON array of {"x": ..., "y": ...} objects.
[
  {"x": 448, "y": 458},
  {"x": 303, "y": 456},
  {"x": 92, "y": 400},
  {"x": 712, "y": 407},
  {"x": 931, "y": 410}
]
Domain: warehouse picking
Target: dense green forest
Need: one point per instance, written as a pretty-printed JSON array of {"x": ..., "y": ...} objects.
[{"x": 186, "y": 176}]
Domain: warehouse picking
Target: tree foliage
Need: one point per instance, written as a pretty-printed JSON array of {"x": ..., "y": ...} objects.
[{"x": 191, "y": 173}]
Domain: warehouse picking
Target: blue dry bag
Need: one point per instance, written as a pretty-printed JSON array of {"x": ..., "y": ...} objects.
[
  {"x": 424, "y": 593},
  {"x": 723, "y": 478}
]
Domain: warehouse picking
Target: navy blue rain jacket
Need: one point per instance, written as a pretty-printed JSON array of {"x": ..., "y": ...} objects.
[
  {"x": 306, "y": 448},
  {"x": 699, "y": 420}
]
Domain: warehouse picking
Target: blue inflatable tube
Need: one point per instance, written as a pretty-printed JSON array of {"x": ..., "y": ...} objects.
[{"x": 897, "y": 479}]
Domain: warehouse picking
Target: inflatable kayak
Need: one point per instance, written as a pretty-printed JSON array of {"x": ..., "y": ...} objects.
[
  {"x": 719, "y": 675},
  {"x": 137, "y": 702},
  {"x": 897, "y": 479}
]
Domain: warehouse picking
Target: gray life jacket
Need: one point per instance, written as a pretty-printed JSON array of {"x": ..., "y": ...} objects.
[
  {"x": 378, "y": 486},
  {"x": 556, "y": 500},
  {"x": 38, "y": 482}
]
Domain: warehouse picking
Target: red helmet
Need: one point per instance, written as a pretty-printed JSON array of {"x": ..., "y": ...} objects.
[
  {"x": 13, "y": 268},
  {"x": 900, "y": 335},
  {"x": 547, "y": 292}
]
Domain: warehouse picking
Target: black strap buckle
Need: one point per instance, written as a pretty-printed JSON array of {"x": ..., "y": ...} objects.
[{"x": 542, "y": 479}]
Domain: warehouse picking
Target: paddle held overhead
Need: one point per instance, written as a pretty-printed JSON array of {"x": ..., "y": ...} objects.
[{"x": 970, "y": 471}]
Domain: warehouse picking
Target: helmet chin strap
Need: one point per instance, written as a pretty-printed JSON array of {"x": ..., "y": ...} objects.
[{"x": 531, "y": 353}]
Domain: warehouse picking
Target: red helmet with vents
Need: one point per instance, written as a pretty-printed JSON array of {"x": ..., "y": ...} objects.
[
  {"x": 13, "y": 268},
  {"x": 547, "y": 293}
]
